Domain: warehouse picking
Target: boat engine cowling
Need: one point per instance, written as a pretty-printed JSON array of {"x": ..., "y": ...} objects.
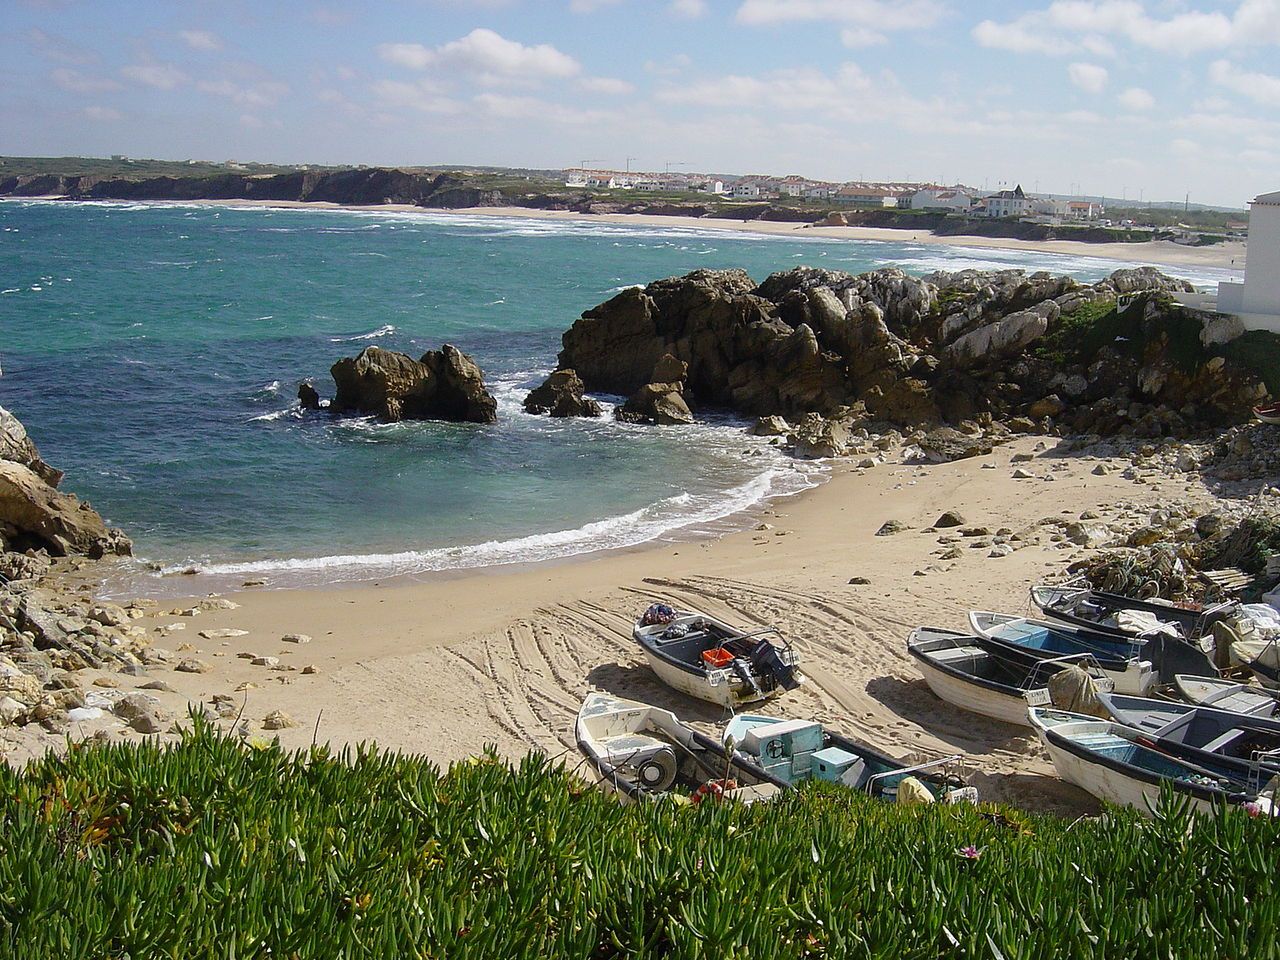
[{"x": 768, "y": 662}]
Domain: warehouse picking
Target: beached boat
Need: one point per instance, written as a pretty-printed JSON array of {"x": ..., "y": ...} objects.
[
  {"x": 1221, "y": 732},
  {"x": 708, "y": 659},
  {"x": 1246, "y": 698},
  {"x": 1020, "y": 640},
  {"x": 1079, "y": 605},
  {"x": 1269, "y": 413},
  {"x": 641, "y": 750},
  {"x": 793, "y": 751},
  {"x": 1127, "y": 766},
  {"x": 961, "y": 671}
]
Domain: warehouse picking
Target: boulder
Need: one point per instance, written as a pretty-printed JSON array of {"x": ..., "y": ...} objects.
[
  {"x": 773, "y": 426},
  {"x": 1005, "y": 337},
  {"x": 657, "y": 403},
  {"x": 443, "y": 384},
  {"x": 816, "y": 437},
  {"x": 16, "y": 446},
  {"x": 561, "y": 396},
  {"x": 308, "y": 398},
  {"x": 53, "y": 519}
]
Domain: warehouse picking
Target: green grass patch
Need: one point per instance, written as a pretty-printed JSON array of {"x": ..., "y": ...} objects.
[
  {"x": 1080, "y": 333},
  {"x": 216, "y": 849}
]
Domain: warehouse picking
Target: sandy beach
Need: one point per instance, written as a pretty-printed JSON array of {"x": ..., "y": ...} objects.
[
  {"x": 1226, "y": 256},
  {"x": 503, "y": 657}
]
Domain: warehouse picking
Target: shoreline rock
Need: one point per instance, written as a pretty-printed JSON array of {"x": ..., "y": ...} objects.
[
  {"x": 1002, "y": 349},
  {"x": 443, "y": 384},
  {"x": 561, "y": 395}
]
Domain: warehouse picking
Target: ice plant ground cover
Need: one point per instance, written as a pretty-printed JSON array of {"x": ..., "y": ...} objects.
[{"x": 214, "y": 848}]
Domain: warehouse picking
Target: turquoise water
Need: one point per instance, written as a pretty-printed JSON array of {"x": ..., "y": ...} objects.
[{"x": 153, "y": 351}]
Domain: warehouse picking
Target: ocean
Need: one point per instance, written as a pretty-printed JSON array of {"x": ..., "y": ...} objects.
[{"x": 154, "y": 350}]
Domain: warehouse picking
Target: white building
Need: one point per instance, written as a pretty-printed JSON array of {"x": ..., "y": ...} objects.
[
  {"x": 1256, "y": 300},
  {"x": 1008, "y": 203},
  {"x": 953, "y": 201},
  {"x": 746, "y": 188}
]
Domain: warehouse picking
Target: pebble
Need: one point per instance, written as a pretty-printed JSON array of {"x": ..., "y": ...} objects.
[
  {"x": 192, "y": 665},
  {"x": 266, "y": 661},
  {"x": 109, "y": 682},
  {"x": 254, "y": 583},
  {"x": 1021, "y": 474},
  {"x": 226, "y": 633},
  {"x": 311, "y": 669}
]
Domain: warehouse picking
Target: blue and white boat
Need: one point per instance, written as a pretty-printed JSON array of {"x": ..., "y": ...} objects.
[
  {"x": 1127, "y": 766},
  {"x": 793, "y": 751},
  {"x": 1027, "y": 642}
]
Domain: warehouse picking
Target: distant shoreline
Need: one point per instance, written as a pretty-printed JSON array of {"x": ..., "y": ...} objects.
[{"x": 1224, "y": 256}]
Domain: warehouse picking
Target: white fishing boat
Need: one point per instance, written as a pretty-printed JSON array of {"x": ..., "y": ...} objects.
[
  {"x": 961, "y": 671},
  {"x": 1248, "y": 698},
  {"x": 1030, "y": 642},
  {"x": 639, "y": 750},
  {"x": 708, "y": 659},
  {"x": 1126, "y": 766}
]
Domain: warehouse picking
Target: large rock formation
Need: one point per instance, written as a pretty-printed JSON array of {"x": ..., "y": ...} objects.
[
  {"x": 444, "y": 384},
  {"x": 34, "y": 514},
  {"x": 561, "y": 396},
  {"x": 975, "y": 346}
]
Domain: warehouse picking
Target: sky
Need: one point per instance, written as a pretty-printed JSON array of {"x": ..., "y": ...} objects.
[{"x": 1125, "y": 98}]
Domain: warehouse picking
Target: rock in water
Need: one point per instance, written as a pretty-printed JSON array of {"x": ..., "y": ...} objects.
[
  {"x": 561, "y": 396},
  {"x": 660, "y": 403},
  {"x": 444, "y": 384},
  {"x": 308, "y": 397}
]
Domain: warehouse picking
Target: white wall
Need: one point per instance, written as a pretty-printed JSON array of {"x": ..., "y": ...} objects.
[{"x": 1262, "y": 269}]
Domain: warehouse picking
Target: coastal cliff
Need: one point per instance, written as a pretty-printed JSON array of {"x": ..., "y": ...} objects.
[{"x": 973, "y": 348}]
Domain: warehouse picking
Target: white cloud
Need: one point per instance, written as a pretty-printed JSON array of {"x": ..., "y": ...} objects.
[
  {"x": 1088, "y": 76},
  {"x": 412, "y": 55},
  {"x": 105, "y": 114},
  {"x": 1262, "y": 88},
  {"x": 487, "y": 54},
  {"x": 688, "y": 9},
  {"x": 609, "y": 86},
  {"x": 544, "y": 111},
  {"x": 77, "y": 82},
  {"x": 856, "y": 38},
  {"x": 1135, "y": 98},
  {"x": 668, "y": 68},
  {"x": 260, "y": 94},
  {"x": 880, "y": 14},
  {"x": 201, "y": 39},
  {"x": 1068, "y": 26},
  {"x": 590, "y": 6},
  {"x": 421, "y": 95},
  {"x": 162, "y": 76},
  {"x": 251, "y": 122}
]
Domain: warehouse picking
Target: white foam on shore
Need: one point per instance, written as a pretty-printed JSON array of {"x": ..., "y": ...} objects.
[{"x": 649, "y": 523}]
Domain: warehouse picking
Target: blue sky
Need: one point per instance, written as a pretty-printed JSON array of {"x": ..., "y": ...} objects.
[{"x": 1099, "y": 96}]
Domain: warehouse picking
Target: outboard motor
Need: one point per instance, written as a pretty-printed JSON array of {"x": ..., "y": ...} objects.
[
  {"x": 768, "y": 662},
  {"x": 744, "y": 674}
]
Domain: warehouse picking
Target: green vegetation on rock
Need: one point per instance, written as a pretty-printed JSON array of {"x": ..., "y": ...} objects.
[{"x": 217, "y": 849}]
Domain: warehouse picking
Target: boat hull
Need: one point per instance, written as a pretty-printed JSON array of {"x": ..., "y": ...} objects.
[
  {"x": 970, "y": 696},
  {"x": 1106, "y": 783},
  {"x": 698, "y": 685}
]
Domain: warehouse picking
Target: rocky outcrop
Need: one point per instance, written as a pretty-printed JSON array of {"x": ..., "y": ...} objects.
[
  {"x": 443, "y": 384},
  {"x": 561, "y": 396},
  {"x": 308, "y": 397},
  {"x": 662, "y": 399},
  {"x": 35, "y": 515},
  {"x": 48, "y": 518},
  {"x": 658, "y": 403},
  {"x": 15, "y": 445},
  {"x": 964, "y": 349}
]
